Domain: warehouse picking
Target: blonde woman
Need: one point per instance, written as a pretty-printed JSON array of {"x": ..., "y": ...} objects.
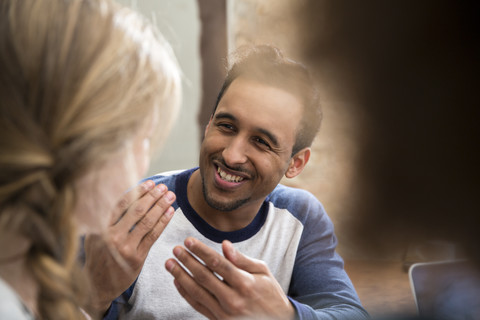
[{"x": 84, "y": 86}]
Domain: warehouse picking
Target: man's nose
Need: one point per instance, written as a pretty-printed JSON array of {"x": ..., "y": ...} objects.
[{"x": 236, "y": 152}]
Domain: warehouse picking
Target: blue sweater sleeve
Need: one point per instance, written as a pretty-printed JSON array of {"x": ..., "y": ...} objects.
[
  {"x": 120, "y": 304},
  {"x": 320, "y": 288}
]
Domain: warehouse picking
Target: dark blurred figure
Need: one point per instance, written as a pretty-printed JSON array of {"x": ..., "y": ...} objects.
[{"x": 409, "y": 70}]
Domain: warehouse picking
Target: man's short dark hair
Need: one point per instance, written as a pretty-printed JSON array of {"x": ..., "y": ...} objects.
[{"x": 267, "y": 65}]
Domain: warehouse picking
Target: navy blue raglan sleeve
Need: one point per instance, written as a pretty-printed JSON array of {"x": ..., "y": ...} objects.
[
  {"x": 320, "y": 288},
  {"x": 120, "y": 304}
]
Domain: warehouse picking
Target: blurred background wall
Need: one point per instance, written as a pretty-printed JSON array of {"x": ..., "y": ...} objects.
[{"x": 179, "y": 22}]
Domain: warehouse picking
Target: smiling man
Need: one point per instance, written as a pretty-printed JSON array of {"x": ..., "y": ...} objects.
[
  {"x": 252, "y": 249},
  {"x": 245, "y": 153}
]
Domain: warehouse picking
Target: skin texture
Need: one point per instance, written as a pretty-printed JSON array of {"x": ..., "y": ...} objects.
[{"x": 251, "y": 135}]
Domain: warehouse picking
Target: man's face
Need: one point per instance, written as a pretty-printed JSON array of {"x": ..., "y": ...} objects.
[{"x": 248, "y": 144}]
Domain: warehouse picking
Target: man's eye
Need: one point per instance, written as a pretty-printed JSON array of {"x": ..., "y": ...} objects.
[
  {"x": 262, "y": 142},
  {"x": 225, "y": 126}
]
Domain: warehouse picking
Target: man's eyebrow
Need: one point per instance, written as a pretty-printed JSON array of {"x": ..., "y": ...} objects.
[{"x": 225, "y": 115}]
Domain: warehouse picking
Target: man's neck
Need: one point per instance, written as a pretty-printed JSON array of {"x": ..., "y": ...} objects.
[{"x": 221, "y": 220}]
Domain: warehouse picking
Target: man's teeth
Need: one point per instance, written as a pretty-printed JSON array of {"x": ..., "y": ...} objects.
[{"x": 228, "y": 177}]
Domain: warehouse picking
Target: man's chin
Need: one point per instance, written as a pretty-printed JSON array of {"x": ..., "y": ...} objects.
[{"x": 226, "y": 205}]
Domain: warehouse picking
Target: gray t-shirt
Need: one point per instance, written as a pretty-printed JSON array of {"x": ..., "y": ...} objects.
[
  {"x": 11, "y": 307},
  {"x": 291, "y": 233}
]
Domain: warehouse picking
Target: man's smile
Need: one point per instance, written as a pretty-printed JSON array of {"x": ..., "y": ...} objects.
[{"x": 228, "y": 176}]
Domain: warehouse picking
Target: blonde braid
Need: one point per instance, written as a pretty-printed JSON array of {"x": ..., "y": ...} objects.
[
  {"x": 36, "y": 191},
  {"x": 37, "y": 211},
  {"x": 79, "y": 78},
  {"x": 62, "y": 285}
]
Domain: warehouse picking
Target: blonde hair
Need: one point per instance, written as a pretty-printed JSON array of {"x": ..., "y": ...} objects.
[{"x": 78, "y": 79}]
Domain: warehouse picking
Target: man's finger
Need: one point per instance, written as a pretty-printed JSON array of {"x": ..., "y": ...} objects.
[
  {"x": 241, "y": 261},
  {"x": 152, "y": 217},
  {"x": 198, "y": 297},
  {"x": 149, "y": 239},
  {"x": 202, "y": 275},
  {"x": 194, "y": 303},
  {"x": 215, "y": 263},
  {"x": 140, "y": 207},
  {"x": 128, "y": 198}
]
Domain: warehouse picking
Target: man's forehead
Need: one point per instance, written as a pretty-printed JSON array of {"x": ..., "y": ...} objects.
[{"x": 261, "y": 99}]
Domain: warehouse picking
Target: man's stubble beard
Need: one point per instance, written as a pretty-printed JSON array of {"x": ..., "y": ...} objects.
[{"x": 221, "y": 206}]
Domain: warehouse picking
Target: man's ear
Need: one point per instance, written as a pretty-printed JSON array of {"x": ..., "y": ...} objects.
[{"x": 297, "y": 163}]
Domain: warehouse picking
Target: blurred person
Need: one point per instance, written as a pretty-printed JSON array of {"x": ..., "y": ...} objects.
[
  {"x": 267, "y": 250},
  {"x": 408, "y": 70},
  {"x": 84, "y": 86}
]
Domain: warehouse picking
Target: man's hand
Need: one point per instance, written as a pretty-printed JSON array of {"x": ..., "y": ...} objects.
[
  {"x": 114, "y": 260},
  {"x": 244, "y": 287}
]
